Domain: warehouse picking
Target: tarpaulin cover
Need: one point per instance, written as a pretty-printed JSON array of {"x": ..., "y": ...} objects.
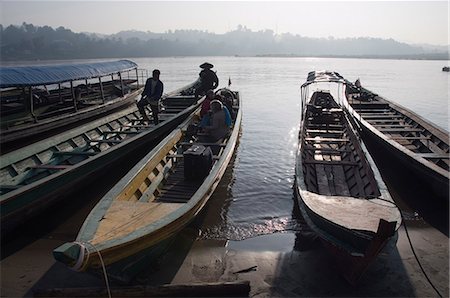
[{"x": 21, "y": 76}]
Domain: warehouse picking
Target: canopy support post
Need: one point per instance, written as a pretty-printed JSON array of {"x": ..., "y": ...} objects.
[
  {"x": 32, "y": 105},
  {"x": 121, "y": 83},
  {"x": 73, "y": 96},
  {"x": 137, "y": 78},
  {"x": 101, "y": 89},
  {"x": 60, "y": 94},
  {"x": 87, "y": 88}
]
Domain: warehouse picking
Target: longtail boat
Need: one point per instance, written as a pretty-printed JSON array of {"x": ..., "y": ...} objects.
[
  {"x": 37, "y": 101},
  {"x": 36, "y": 176},
  {"x": 419, "y": 148},
  {"x": 339, "y": 189},
  {"x": 152, "y": 203}
]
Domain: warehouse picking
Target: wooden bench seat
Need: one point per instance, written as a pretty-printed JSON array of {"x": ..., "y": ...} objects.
[{"x": 432, "y": 155}]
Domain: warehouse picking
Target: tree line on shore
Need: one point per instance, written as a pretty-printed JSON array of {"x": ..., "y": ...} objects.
[{"x": 29, "y": 42}]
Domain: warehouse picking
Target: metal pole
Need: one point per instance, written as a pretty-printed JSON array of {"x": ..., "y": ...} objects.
[
  {"x": 137, "y": 78},
  {"x": 32, "y": 105},
  {"x": 59, "y": 92},
  {"x": 101, "y": 89},
  {"x": 73, "y": 97},
  {"x": 87, "y": 89},
  {"x": 121, "y": 83}
]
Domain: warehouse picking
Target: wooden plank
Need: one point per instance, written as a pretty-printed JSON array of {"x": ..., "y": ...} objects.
[
  {"x": 393, "y": 125},
  {"x": 139, "y": 126},
  {"x": 372, "y": 121},
  {"x": 378, "y": 114},
  {"x": 120, "y": 132},
  {"x": 340, "y": 182},
  {"x": 75, "y": 153},
  {"x": 432, "y": 155},
  {"x": 331, "y": 162},
  {"x": 399, "y": 138},
  {"x": 203, "y": 144},
  {"x": 324, "y": 131},
  {"x": 10, "y": 187},
  {"x": 51, "y": 167},
  {"x": 322, "y": 180},
  {"x": 319, "y": 139},
  {"x": 328, "y": 150},
  {"x": 215, "y": 157},
  {"x": 381, "y": 117},
  {"x": 106, "y": 141},
  {"x": 400, "y": 130},
  {"x": 373, "y": 110}
]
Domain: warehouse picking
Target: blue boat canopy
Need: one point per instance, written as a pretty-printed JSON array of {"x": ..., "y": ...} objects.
[{"x": 22, "y": 76}]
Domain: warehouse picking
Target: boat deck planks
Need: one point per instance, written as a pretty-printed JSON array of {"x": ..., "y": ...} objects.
[
  {"x": 45, "y": 167},
  {"x": 124, "y": 217},
  {"x": 153, "y": 201}
]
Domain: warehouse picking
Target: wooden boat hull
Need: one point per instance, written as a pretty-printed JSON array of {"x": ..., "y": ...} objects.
[
  {"x": 130, "y": 241},
  {"x": 437, "y": 184},
  {"x": 349, "y": 263},
  {"x": 340, "y": 192},
  {"x": 20, "y": 205},
  {"x": 31, "y": 112},
  {"x": 58, "y": 124},
  {"x": 432, "y": 177}
]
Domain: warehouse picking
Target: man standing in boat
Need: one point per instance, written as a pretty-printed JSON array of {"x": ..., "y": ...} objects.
[
  {"x": 150, "y": 96},
  {"x": 208, "y": 79}
]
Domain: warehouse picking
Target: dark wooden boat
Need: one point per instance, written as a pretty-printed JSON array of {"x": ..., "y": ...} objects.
[
  {"x": 340, "y": 192},
  {"x": 149, "y": 205},
  {"x": 38, "y": 175},
  {"x": 37, "y": 101},
  {"x": 420, "y": 148}
]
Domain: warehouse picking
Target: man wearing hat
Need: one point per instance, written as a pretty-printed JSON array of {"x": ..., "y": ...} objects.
[
  {"x": 150, "y": 96},
  {"x": 208, "y": 79}
]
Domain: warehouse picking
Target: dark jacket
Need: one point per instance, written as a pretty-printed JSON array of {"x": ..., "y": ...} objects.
[
  {"x": 157, "y": 92},
  {"x": 209, "y": 79}
]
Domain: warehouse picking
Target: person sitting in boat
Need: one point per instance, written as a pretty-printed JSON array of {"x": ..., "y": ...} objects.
[
  {"x": 218, "y": 128},
  {"x": 227, "y": 100},
  {"x": 150, "y": 96},
  {"x": 208, "y": 79},
  {"x": 205, "y": 114},
  {"x": 358, "y": 84},
  {"x": 225, "y": 109}
]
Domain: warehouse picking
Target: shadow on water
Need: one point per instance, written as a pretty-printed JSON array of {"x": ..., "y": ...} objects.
[{"x": 308, "y": 270}]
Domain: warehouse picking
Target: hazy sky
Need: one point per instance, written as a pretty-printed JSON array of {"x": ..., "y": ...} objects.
[{"x": 407, "y": 21}]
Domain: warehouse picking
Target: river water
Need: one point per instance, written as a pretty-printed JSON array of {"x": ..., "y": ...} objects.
[{"x": 256, "y": 197}]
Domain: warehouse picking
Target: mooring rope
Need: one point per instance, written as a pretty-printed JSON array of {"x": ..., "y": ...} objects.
[
  {"x": 79, "y": 263},
  {"x": 417, "y": 259}
]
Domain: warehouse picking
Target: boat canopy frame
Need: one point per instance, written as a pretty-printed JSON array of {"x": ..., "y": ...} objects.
[
  {"x": 27, "y": 77},
  {"x": 323, "y": 76}
]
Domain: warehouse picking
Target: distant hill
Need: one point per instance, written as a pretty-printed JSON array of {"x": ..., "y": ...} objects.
[{"x": 28, "y": 42}]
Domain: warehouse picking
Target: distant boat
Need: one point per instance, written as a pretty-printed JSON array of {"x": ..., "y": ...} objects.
[
  {"x": 153, "y": 202},
  {"x": 446, "y": 68},
  {"x": 36, "y": 176},
  {"x": 419, "y": 147},
  {"x": 37, "y": 101},
  {"x": 340, "y": 192}
]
